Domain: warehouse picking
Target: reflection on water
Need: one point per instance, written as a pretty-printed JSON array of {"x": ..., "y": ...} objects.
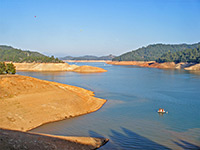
[
  {"x": 160, "y": 114},
  {"x": 195, "y": 72},
  {"x": 129, "y": 118}
]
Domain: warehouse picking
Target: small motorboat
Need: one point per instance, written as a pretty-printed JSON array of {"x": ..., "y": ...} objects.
[{"x": 161, "y": 110}]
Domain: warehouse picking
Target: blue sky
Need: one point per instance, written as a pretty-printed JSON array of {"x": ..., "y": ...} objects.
[{"x": 97, "y": 27}]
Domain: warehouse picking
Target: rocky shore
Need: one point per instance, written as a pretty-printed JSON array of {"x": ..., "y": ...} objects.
[
  {"x": 29, "y": 102},
  {"x": 57, "y": 67},
  {"x": 153, "y": 64}
]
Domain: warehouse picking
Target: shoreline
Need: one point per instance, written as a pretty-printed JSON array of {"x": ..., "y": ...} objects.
[
  {"x": 42, "y": 67},
  {"x": 57, "y": 95},
  {"x": 26, "y": 140},
  {"x": 30, "y": 102},
  {"x": 153, "y": 64}
]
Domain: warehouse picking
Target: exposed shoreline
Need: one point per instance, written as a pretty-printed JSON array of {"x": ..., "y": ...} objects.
[
  {"x": 153, "y": 64},
  {"x": 18, "y": 140},
  {"x": 57, "y": 67},
  {"x": 48, "y": 98},
  {"x": 29, "y": 102}
]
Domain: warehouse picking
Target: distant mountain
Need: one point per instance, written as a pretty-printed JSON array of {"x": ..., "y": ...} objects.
[
  {"x": 153, "y": 52},
  {"x": 8, "y": 53},
  {"x": 66, "y": 58},
  {"x": 89, "y": 57}
]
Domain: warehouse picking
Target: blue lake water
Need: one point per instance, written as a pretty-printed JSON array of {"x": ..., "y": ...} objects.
[{"x": 129, "y": 118}]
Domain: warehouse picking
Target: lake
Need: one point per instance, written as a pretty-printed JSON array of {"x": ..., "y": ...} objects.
[{"x": 129, "y": 118}]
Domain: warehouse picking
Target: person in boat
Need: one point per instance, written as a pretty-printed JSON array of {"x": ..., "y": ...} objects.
[{"x": 161, "y": 110}]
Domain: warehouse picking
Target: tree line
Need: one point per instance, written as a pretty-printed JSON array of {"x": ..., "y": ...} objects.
[
  {"x": 8, "y": 53},
  {"x": 153, "y": 52},
  {"x": 189, "y": 56},
  {"x": 88, "y": 57},
  {"x": 7, "y": 68}
]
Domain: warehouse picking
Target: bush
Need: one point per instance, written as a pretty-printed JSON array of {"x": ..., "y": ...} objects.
[
  {"x": 8, "y": 68},
  {"x": 2, "y": 68}
]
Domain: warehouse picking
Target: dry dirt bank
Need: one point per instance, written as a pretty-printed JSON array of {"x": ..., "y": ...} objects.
[
  {"x": 57, "y": 67},
  {"x": 28, "y": 102},
  {"x": 153, "y": 64}
]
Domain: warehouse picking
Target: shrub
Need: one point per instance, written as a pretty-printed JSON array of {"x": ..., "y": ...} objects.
[
  {"x": 2, "y": 68},
  {"x": 8, "y": 68}
]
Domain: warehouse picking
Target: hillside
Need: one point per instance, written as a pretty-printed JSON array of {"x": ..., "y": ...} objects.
[
  {"x": 189, "y": 56},
  {"x": 89, "y": 57},
  {"x": 8, "y": 53},
  {"x": 153, "y": 52}
]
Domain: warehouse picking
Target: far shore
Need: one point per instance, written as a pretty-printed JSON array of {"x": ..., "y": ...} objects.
[
  {"x": 57, "y": 67},
  {"x": 153, "y": 64},
  {"x": 87, "y": 60},
  {"x": 29, "y": 102}
]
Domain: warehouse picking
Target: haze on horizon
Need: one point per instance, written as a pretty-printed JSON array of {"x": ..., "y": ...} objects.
[{"x": 92, "y": 27}]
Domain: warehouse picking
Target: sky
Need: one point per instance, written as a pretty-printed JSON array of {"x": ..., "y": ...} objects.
[{"x": 97, "y": 27}]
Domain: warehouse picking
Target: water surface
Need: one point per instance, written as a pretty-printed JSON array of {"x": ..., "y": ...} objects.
[{"x": 129, "y": 118}]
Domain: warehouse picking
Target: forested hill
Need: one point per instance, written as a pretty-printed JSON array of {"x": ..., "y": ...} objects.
[
  {"x": 153, "y": 52},
  {"x": 189, "y": 55},
  {"x": 89, "y": 57},
  {"x": 8, "y": 53}
]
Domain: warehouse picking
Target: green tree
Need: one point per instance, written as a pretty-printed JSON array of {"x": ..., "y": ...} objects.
[
  {"x": 188, "y": 55},
  {"x": 153, "y": 52},
  {"x": 10, "y": 68},
  {"x": 2, "y": 68},
  {"x": 8, "y": 53}
]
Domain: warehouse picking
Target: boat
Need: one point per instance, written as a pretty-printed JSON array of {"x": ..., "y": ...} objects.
[{"x": 161, "y": 110}]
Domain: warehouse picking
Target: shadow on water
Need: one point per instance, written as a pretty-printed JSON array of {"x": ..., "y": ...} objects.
[
  {"x": 186, "y": 145},
  {"x": 129, "y": 140}
]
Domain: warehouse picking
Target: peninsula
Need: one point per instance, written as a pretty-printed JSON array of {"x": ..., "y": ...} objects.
[
  {"x": 29, "y": 102},
  {"x": 57, "y": 67}
]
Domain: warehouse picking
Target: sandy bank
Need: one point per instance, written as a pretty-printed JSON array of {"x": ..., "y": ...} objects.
[
  {"x": 89, "y": 69},
  {"x": 137, "y": 63},
  {"x": 150, "y": 64},
  {"x": 42, "y": 66},
  {"x": 29, "y": 102},
  {"x": 195, "y": 67},
  {"x": 56, "y": 67},
  {"x": 11, "y": 139},
  {"x": 153, "y": 64}
]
